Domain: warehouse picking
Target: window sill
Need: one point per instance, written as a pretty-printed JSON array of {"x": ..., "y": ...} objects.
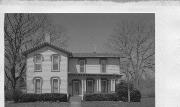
[
  {"x": 37, "y": 71},
  {"x": 55, "y": 70}
]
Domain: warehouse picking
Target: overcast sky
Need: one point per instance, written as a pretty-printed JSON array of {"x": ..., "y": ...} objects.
[{"x": 87, "y": 31}]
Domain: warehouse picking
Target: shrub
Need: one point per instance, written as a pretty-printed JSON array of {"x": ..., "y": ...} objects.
[
  {"x": 43, "y": 97},
  {"x": 8, "y": 95},
  {"x": 100, "y": 97},
  {"x": 17, "y": 94},
  {"x": 122, "y": 92},
  {"x": 135, "y": 96}
]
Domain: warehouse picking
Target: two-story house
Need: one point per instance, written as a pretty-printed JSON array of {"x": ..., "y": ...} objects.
[{"x": 51, "y": 69}]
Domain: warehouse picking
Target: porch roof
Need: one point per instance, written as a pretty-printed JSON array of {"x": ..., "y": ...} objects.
[{"x": 93, "y": 74}]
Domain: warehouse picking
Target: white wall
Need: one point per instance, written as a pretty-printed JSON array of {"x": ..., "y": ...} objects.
[{"x": 46, "y": 73}]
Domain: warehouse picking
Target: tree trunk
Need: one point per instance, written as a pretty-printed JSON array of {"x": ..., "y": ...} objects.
[
  {"x": 14, "y": 92},
  {"x": 129, "y": 97}
]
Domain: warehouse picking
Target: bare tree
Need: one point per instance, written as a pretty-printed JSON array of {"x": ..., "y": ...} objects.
[
  {"x": 22, "y": 31},
  {"x": 134, "y": 40}
]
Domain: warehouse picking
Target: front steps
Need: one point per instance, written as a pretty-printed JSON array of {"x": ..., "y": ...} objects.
[
  {"x": 75, "y": 101},
  {"x": 75, "y": 98}
]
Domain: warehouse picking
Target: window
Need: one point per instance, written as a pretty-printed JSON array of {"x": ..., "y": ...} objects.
[
  {"x": 38, "y": 85},
  {"x": 38, "y": 63},
  {"x": 103, "y": 65},
  {"x": 55, "y": 63},
  {"x": 104, "y": 87},
  {"x": 82, "y": 63},
  {"x": 55, "y": 86},
  {"x": 90, "y": 86}
]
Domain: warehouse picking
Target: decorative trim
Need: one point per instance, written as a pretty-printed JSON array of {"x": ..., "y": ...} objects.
[{"x": 43, "y": 45}]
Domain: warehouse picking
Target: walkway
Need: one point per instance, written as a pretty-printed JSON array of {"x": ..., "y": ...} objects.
[{"x": 75, "y": 101}]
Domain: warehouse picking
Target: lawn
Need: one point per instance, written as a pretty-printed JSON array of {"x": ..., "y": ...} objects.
[
  {"x": 38, "y": 104},
  {"x": 145, "y": 102}
]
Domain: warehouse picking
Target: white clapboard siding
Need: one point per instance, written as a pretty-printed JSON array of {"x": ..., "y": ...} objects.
[
  {"x": 112, "y": 65},
  {"x": 46, "y": 73},
  {"x": 93, "y": 66}
]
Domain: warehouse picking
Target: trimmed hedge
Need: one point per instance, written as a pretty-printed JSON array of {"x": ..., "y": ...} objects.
[
  {"x": 100, "y": 97},
  {"x": 43, "y": 97},
  {"x": 120, "y": 95}
]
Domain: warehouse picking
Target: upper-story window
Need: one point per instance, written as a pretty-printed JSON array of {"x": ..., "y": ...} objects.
[
  {"x": 38, "y": 62},
  {"x": 82, "y": 65},
  {"x": 103, "y": 65},
  {"x": 55, "y": 62}
]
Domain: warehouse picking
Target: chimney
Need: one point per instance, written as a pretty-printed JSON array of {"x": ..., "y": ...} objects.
[{"x": 47, "y": 38}]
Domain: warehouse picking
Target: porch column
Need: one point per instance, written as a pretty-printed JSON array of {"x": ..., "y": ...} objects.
[
  {"x": 97, "y": 82},
  {"x": 82, "y": 87},
  {"x": 99, "y": 85},
  {"x": 112, "y": 85}
]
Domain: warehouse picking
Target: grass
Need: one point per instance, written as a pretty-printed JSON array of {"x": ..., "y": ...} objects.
[
  {"x": 145, "y": 102},
  {"x": 38, "y": 104}
]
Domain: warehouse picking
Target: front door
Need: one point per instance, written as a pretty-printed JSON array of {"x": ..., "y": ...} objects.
[{"x": 76, "y": 86}]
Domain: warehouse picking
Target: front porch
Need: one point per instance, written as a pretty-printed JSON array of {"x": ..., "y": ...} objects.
[{"x": 81, "y": 83}]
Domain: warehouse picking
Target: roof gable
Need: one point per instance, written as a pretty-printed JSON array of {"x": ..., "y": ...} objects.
[{"x": 44, "y": 45}]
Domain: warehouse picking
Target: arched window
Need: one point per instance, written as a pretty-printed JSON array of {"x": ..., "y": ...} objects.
[
  {"x": 55, "y": 85},
  {"x": 38, "y": 85},
  {"x": 38, "y": 62}
]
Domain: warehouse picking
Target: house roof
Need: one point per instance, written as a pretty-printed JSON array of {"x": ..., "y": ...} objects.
[
  {"x": 95, "y": 74},
  {"x": 94, "y": 54},
  {"x": 75, "y": 55},
  {"x": 43, "y": 45}
]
